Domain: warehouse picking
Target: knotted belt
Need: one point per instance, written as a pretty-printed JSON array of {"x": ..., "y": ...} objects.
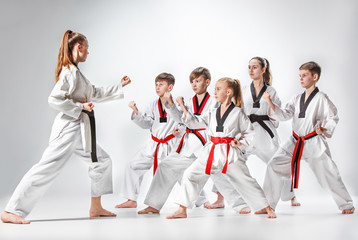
[
  {"x": 217, "y": 140},
  {"x": 296, "y": 158},
  {"x": 159, "y": 141},
  {"x": 260, "y": 120},
  {"x": 196, "y": 133},
  {"x": 93, "y": 135}
]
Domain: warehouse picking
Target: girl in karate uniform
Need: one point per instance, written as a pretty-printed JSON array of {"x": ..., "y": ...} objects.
[
  {"x": 314, "y": 118},
  {"x": 266, "y": 140},
  {"x": 72, "y": 132},
  {"x": 230, "y": 133}
]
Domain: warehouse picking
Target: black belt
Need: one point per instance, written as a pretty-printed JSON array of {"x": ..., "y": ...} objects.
[
  {"x": 93, "y": 135},
  {"x": 260, "y": 120}
]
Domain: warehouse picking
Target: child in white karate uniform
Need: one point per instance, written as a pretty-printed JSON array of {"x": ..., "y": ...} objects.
[
  {"x": 171, "y": 170},
  {"x": 314, "y": 117},
  {"x": 164, "y": 136},
  {"x": 72, "y": 132},
  {"x": 230, "y": 132},
  {"x": 266, "y": 140}
]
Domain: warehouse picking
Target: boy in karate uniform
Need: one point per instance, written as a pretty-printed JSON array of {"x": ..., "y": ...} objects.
[
  {"x": 314, "y": 118},
  {"x": 164, "y": 131}
]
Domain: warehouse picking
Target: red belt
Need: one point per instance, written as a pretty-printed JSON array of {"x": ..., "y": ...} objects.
[
  {"x": 159, "y": 141},
  {"x": 217, "y": 140},
  {"x": 194, "y": 131},
  {"x": 296, "y": 158}
]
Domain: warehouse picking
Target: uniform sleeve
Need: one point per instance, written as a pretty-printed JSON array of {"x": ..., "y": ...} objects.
[
  {"x": 174, "y": 112},
  {"x": 59, "y": 98},
  {"x": 103, "y": 94},
  {"x": 276, "y": 100},
  {"x": 331, "y": 118},
  {"x": 196, "y": 121},
  {"x": 144, "y": 119},
  {"x": 247, "y": 133},
  {"x": 283, "y": 114}
]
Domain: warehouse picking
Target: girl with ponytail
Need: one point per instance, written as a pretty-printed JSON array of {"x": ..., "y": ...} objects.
[
  {"x": 73, "y": 132},
  {"x": 266, "y": 140},
  {"x": 231, "y": 133}
]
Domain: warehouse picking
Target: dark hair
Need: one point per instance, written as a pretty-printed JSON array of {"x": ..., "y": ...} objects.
[
  {"x": 167, "y": 77},
  {"x": 313, "y": 67},
  {"x": 65, "y": 58},
  {"x": 235, "y": 85},
  {"x": 267, "y": 74},
  {"x": 200, "y": 71}
]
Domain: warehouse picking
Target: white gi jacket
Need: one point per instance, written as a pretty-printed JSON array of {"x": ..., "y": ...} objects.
[
  {"x": 319, "y": 112},
  {"x": 150, "y": 119},
  {"x": 192, "y": 144},
  {"x": 262, "y": 139},
  {"x": 236, "y": 125},
  {"x": 70, "y": 92}
]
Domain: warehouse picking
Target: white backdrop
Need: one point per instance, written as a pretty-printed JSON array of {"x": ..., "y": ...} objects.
[{"x": 144, "y": 38}]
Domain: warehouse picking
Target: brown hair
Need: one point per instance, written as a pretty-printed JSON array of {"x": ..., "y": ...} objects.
[
  {"x": 313, "y": 67},
  {"x": 267, "y": 74},
  {"x": 235, "y": 85},
  {"x": 200, "y": 71},
  {"x": 65, "y": 58},
  {"x": 167, "y": 77}
]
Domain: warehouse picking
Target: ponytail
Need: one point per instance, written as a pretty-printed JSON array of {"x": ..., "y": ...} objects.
[
  {"x": 65, "y": 58},
  {"x": 267, "y": 76},
  {"x": 235, "y": 85},
  {"x": 237, "y": 93}
]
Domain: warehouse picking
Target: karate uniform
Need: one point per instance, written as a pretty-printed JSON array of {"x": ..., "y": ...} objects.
[
  {"x": 161, "y": 126},
  {"x": 71, "y": 133},
  {"x": 318, "y": 110},
  {"x": 224, "y": 159},
  {"x": 266, "y": 140},
  {"x": 171, "y": 170}
]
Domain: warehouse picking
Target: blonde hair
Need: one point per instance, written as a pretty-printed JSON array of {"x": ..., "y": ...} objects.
[
  {"x": 235, "y": 85},
  {"x": 65, "y": 58}
]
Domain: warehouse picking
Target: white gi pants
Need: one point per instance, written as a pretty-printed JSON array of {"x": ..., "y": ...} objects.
[
  {"x": 134, "y": 172},
  {"x": 265, "y": 156},
  {"x": 39, "y": 178},
  {"x": 325, "y": 170},
  {"x": 168, "y": 173},
  {"x": 238, "y": 176}
]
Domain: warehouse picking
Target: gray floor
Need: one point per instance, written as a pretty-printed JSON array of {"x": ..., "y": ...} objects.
[{"x": 65, "y": 218}]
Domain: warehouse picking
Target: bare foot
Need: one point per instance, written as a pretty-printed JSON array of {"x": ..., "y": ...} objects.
[
  {"x": 149, "y": 210},
  {"x": 7, "y": 217},
  {"x": 100, "y": 212},
  {"x": 128, "y": 204},
  {"x": 245, "y": 210},
  {"x": 348, "y": 211},
  {"x": 262, "y": 211},
  {"x": 217, "y": 204},
  {"x": 180, "y": 213},
  {"x": 206, "y": 204},
  {"x": 294, "y": 202},
  {"x": 270, "y": 212}
]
